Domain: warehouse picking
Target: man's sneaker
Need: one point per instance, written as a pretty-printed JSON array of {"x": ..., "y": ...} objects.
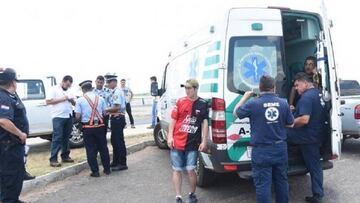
[
  {"x": 150, "y": 127},
  {"x": 107, "y": 171},
  {"x": 192, "y": 198},
  {"x": 132, "y": 126},
  {"x": 67, "y": 160},
  {"x": 55, "y": 164},
  {"x": 95, "y": 174},
  {"x": 119, "y": 167},
  {"x": 313, "y": 199},
  {"x": 28, "y": 176},
  {"x": 178, "y": 200}
]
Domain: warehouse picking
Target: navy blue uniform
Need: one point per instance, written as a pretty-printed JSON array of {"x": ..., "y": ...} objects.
[
  {"x": 11, "y": 150},
  {"x": 268, "y": 116},
  {"x": 309, "y": 137}
]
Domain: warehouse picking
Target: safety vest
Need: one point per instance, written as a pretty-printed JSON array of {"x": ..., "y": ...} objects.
[{"x": 94, "y": 123}]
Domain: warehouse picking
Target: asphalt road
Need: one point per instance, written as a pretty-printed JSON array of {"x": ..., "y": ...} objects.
[{"x": 149, "y": 180}]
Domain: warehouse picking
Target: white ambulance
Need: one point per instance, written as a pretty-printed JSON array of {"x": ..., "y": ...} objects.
[{"x": 229, "y": 58}]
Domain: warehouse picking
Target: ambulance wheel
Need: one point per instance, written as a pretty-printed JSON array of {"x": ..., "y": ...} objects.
[
  {"x": 205, "y": 177},
  {"x": 76, "y": 140},
  {"x": 159, "y": 137}
]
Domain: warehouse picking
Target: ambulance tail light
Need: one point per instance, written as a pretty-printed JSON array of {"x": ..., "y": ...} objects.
[
  {"x": 218, "y": 122},
  {"x": 357, "y": 112},
  {"x": 230, "y": 167}
]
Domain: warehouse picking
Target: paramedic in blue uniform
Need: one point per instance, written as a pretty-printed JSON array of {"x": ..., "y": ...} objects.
[
  {"x": 103, "y": 92},
  {"x": 117, "y": 110},
  {"x": 307, "y": 131},
  {"x": 14, "y": 128},
  {"x": 90, "y": 110},
  {"x": 269, "y": 116}
]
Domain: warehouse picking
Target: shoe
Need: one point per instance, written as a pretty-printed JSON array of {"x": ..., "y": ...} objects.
[
  {"x": 107, "y": 172},
  {"x": 112, "y": 164},
  {"x": 28, "y": 176},
  {"x": 67, "y": 160},
  {"x": 95, "y": 174},
  {"x": 150, "y": 127},
  {"x": 313, "y": 199},
  {"x": 178, "y": 200},
  {"x": 119, "y": 167},
  {"x": 55, "y": 164},
  {"x": 192, "y": 198},
  {"x": 19, "y": 201},
  {"x": 132, "y": 126}
]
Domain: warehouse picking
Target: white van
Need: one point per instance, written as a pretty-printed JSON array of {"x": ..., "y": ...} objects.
[
  {"x": 32, "y": 91},
  {"x": 229, "y": 58}
]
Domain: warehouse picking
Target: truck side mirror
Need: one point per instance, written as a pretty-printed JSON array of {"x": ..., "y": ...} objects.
[{"x": 161, "y": 92}]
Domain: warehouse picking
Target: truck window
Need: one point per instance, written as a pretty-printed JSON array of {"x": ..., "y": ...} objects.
[
  {"x": 252, "y": 57},
  {"x": 349, "y": 87},
  {"x": 30, "y": 89}
]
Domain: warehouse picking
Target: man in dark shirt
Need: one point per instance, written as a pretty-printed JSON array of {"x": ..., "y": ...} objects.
[
  {"x": 14, "y": 128},
  {"x": 307, "y": 131},
  {"x": 188, "y": 132},
  {"x": 269, "y": 115}
]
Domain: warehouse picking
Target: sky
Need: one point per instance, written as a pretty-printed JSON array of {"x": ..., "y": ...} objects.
[{"x": 86, "y": 38}]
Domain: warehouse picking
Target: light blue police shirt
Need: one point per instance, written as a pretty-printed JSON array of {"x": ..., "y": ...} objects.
[
  {"x": 105, "y": 93},
  {"x": 117, "y": 97},
  {"x": 83, "y": 107}
]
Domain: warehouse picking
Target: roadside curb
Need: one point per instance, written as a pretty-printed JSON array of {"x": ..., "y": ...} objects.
[{"x": 61, "y": 174}]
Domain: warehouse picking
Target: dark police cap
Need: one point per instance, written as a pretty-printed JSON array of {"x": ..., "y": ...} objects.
[
  {"x": 85, "y": 82},
  {"x": 109, "y": 77},
  {"x": 7, "y": 74}
]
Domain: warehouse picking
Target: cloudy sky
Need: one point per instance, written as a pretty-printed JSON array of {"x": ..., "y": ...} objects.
[{"x": 85, "y": 38}]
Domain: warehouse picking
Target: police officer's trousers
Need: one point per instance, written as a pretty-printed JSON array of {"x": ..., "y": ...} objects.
[
  {"x": 270, "y": 163},
  {"x": 11, "y": 170},
  {"x": 95, "y": 141},
  {"x": 117, "y": 140}
]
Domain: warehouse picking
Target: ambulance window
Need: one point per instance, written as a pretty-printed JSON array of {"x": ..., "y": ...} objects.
[
  {"x": 250, "y": 58},
  {"x": 30, "y": 89}
]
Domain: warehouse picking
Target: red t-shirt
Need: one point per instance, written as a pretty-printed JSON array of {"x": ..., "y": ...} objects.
[{"x": 189, "y": 116}]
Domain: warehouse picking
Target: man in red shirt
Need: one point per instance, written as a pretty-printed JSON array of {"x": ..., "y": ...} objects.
[{"x": 188, "y": 134}]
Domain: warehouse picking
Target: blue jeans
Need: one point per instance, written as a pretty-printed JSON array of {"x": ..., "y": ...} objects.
[
  {"x": 60, "y": 140},
  {"x": 270, "y": 164},
  {"x": 183, "y": 160},
  {"x": 154, "y": 114}
]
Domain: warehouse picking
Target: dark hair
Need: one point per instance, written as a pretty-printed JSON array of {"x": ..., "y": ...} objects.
[
  {"x": 67, "y": 78},
  {"x": 122, "y": 80},
  {"x": 86, "y": 87},
  {"x": 267, "y": 83},
  {"x": 100, "y": 77},
  {"x": 303, "y": 77},
  {"x": 312, "y": 58},
  {"x": 153, "y": 78}
]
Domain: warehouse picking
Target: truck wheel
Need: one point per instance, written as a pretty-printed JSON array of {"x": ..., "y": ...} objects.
[
  {"x": 159, "y": 137},
  {"x": 205, "y": 177},
  {"x": 76, "y": 140}
]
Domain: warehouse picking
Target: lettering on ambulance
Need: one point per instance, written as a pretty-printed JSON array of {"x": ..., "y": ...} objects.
[{"x": 188, "y": 125}]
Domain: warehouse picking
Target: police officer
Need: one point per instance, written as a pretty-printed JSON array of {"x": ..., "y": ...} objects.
[
  {"x": 307, "y": 131},
  {"x": 14, "y": 128},
  {"x": 90, "y": 109},
  {"x": 103, "y": 92},
  {"x": 269, "y": 115},
  {"x": 117, "y": 122}
]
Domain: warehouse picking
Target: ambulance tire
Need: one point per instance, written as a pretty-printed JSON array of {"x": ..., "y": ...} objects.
[
  {"x": 159, "y": 138},
  {"x": 205, "y": 177}
]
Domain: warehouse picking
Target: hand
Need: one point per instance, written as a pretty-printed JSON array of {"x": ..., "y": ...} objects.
[
  {"x": 248, "y": 94},
  {"x": 170, "y": 142},
  {"x": 23, "y": 137},
  {"x": 292, "y": 107},
  {"x": 65, "y": 98},
  {"x": 203, "y": 147}
]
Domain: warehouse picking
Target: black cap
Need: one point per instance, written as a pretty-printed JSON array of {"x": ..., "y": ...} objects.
[
  {"x": 110, "y": 77},
  {"x": 85, "y": 82},
  {"x": 7, "y": 74}
]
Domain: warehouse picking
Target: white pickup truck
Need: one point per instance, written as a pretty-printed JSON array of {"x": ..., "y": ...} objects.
[
  {"x": 350, "y": 108},
  {"x": 33, "y": 92}
]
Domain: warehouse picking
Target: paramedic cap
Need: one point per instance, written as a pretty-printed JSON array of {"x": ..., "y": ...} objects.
[
  {"x": 192, "y": 82},
  {"x": 7, "y": 74},
  {"x": 85, "y": 82},
  {"x": 110, "y": 77}
]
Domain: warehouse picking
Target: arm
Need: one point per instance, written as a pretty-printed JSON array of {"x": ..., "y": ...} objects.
[
  {"x": 57, "y": 100},
  {"x": 131, "y": 95},
  {"x": 205, "y": 135},
  {"x": 78, "y": 116},
  {"x": 292, "y": 98},
  {"x": 243, "y": 100},
  {"x": 170, "y": 138},
  {"x": 72, "y": 101},
  {"x": 113, "y": 109},
  {"x": 301, "y": 121},
  {"x": 10, "y": 127}
]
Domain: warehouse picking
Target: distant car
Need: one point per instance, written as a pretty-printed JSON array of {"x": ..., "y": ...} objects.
[
  {"x": 350, "y": 108},
  {"x": 33, "y": 92}
]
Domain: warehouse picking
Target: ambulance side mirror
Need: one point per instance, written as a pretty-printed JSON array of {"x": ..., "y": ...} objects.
[{"x": 161, "y": 92}]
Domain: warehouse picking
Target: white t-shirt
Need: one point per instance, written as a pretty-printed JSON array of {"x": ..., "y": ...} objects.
[{"x": 62, "y": 109}]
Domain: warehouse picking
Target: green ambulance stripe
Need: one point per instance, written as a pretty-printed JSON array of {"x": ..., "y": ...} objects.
[
  {"x": 209, "y": 74},
  {"x": 211, "y": 87},
  {"x": 212, "y": 60},
  {"x": 214, "y": 46}
]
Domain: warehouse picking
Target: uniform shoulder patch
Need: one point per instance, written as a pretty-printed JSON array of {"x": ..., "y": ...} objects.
[{"x": 5, "y": 107}]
